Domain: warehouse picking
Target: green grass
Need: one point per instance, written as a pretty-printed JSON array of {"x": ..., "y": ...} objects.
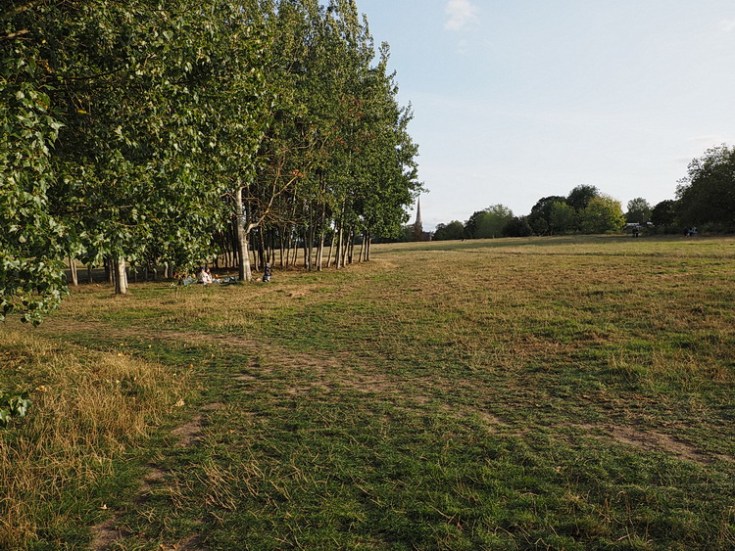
[{"x": 559, "y": 393}]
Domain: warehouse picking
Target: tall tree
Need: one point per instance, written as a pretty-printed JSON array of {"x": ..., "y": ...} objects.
[
  {"x": 150, "y": 112},
  {"x": 602, "y": 214},
  {"x": 387, "y": 164},
  {"x": 450, "y": 231},
  {"x": 237, "y": 108},
  {"x": 581, "y": 196},
  {"x": 32, "y": 242},
  {"x": 488, "y": 222},
  {"x": 562, "y": 218},
  {"x": 664, "y": 216},
  {"x": 639, "y": 211},
  {"x": 540, "y": 217},
  {"x": 135, "y": 131},
  {"x": 518, "y": 227},
  {"x": 707, "y": 194}
]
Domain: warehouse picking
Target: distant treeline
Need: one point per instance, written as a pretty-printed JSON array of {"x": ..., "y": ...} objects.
[{"x": 705, "y": 199}]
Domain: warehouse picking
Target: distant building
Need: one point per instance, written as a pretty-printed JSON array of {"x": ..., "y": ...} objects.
[{"x": 418, "y": 233}]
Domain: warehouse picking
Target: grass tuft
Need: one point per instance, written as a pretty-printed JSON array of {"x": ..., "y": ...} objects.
[{"x": 87, "y": 407}]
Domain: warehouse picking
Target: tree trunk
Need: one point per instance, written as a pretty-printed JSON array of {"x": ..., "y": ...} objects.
[
  {"x": 234, "y": 258},
  {"x": 331, "y": 247},
  {"x": 253, "y": 244},
  {"x": 322, "y": 231},
  {"x": 295, "y": 256},
  {"x": 346, "y": 261},
  {"x": 109, "y": 271},
  {"x": 121, "y": 276},
  {"x": 307, "y": 252},
  {"x": 73, "y": 272},
  {"x": 243, "y": 270},
  {"x": 261, "y": 249},
  {"x": 282, "y": 245},
  {"x": 320, "y": 251},
  {"x": 272, "y": 248},
  {"x": 338, "y": 262}
]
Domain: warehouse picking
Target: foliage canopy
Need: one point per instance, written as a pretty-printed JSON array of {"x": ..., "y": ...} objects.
[{"x": 140, "y": 132}]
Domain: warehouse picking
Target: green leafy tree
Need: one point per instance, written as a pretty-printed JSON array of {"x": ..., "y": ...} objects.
[
  {"x": 32, "y": 242},
  {"x": 707, "y": 194},
  {"x": 581, "y": 196},
  {"x": 602, "y": 214},
  {"x": 153, "y": 113},
  {"x": 639, "y": 211},
  {"x": 386, "y": 169},
  {"x": 540, "y": 217},
  {"x": 488, "y": 222},
  {"x": 451, "y": 231},
  {"x": 664, "y": 216},
  {"x": 562, "y": 218},
  {"x": 136, "y": 131},
  {"x": 517, "y": 227}
]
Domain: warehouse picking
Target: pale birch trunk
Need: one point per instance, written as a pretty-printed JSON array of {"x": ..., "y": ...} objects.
[
  {"x": 243, "y": 271},
  {"x": 360, "y": 257},
  {"x": 121, "y": 276},
  {"x": 338, "y": 252},
  {"x": 73, "y": 272},
  {"x": 320, "y": 252},
  {"x": 331, "y": 248},
  {"x": 295, "y": 254}
]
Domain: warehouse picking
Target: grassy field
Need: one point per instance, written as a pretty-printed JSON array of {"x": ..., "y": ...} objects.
[{"x": 560, "y": 393}]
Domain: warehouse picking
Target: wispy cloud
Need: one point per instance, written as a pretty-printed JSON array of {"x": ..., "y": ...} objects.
[
  {"x": 460, "y": 13},
  {"x": 727, "y": 25}
]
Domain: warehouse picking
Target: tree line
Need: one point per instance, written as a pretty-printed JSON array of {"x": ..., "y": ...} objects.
[
  {"x": 704, "y": 198},
  {"x": 146, "y": 134}
]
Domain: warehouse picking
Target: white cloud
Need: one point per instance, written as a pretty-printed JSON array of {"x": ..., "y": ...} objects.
[
  {"x": 727, "y": 25},
  {"x": 459, "y": 14}
]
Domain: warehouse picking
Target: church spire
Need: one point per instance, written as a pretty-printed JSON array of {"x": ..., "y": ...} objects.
[{"x": 418, "y": 228}]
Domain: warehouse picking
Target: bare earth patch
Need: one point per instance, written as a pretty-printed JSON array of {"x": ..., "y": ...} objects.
[
  {"x": 188, "y": 433},
  {"x": 651, "y": 441},
  {"x": 192, "y": 543},
  {"x": 154, "y": 476},
  {"x": 105, "y": 534},
  {"x": 492, "y": 421}
]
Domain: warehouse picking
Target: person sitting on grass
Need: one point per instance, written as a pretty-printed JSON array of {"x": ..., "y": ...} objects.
[
  {"x": 204, "y": 277},
  {"x": 267, "y": 273}
]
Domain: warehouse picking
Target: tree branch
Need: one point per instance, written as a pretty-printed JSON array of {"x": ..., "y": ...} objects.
[
  {"x": 13, "y": 36},
  {"x": 21, "y": 8}
]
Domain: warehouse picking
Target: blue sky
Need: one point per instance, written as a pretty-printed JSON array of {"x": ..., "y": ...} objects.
[{"x": 515, "y": 100}]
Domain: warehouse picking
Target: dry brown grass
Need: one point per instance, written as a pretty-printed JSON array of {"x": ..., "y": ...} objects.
[{"x": 87, "y": 407}]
